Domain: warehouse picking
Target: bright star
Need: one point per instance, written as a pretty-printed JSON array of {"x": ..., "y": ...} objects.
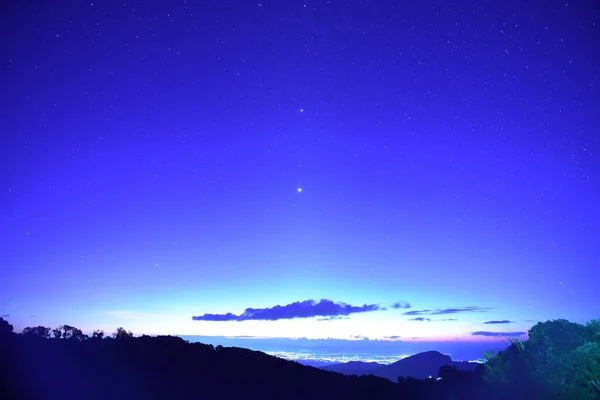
[{"x": 299, "y": 190}]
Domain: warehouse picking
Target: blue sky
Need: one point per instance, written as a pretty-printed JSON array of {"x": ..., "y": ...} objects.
[{"x": 447, "y": 157}]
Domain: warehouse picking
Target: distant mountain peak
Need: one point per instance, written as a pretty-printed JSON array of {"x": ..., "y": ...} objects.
[
  {"x": 362, "y": 363},
  {"x": 420, "y": 365}
]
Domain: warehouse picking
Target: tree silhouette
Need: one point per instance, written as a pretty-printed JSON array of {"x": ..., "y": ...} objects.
[
  {"x": 121, "y": 334},
  {"x": 6, "y": 329},
  {"x": 70, "y": 332},
  {"x": 98, "y": 335},
  {"x": 36, "y": 331},
  {"x": 57, "y": 333}
]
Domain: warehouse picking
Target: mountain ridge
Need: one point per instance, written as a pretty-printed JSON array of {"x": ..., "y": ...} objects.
[{"x": 420, "y": 366}]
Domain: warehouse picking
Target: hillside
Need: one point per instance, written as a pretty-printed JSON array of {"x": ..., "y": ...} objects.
[
  {"x": 168, "y": 367},
  {"x": 559, "y": 361}
]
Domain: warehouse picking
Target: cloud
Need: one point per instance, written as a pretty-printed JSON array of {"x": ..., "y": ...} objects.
[
  {"x": 449, "y": 319},
  {"x": 392, "y": 337},
  {"x": 5, "y": 316},
  {"x": 298, "y": 309},
  {"x": 504, "y": 321},
  {"x": 217, "y": 317},
  {"x": 419, "y": 319},
  {"x": 401, "y": 304},
  {"x": 332, "y": 318},
  {"x": 442, "y": 311},
  {"x": 460, "y": 310},
  {"x": 498, "y": 334},
  {"x": 417, "y": 312}
]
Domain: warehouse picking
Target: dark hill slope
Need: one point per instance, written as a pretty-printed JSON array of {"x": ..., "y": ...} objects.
[{"x": 170, "y": 368}]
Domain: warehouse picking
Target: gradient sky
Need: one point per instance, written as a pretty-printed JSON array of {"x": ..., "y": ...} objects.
[{"x": 174, "y": 159}]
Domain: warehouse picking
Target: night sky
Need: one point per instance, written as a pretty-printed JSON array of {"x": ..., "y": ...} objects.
[{"x": 320, "y": 169}]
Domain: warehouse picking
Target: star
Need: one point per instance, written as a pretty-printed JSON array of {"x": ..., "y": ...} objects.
[{"x": 299, "y": 190}]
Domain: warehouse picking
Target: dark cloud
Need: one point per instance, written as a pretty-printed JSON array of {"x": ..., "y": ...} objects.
[
  {"x": 498, "y": 334},
  {"x": 217, "y": 317},
  {"x": 332, "y": 318},
  {"x": 417, "y": 312},
  {"x": 5, "y": 316},
  {"x": 419, "y": 319},
  {"x": 401, "y": 304},
  {"x": 504, "y": 321},
  {"x": 299, "y": 309},
  {"x": 460, "y": 310},
  {"x": 392, "y": 337},
  {"x": 442, "y": 311}
]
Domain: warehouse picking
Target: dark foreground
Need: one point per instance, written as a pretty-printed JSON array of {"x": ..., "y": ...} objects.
[{"x": 166, "y": 367}]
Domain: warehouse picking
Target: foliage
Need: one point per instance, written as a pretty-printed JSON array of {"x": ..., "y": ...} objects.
[
  {"x": 506, "y": 367},
  {"x": 519, "y": 345},
  {"x": 582, "y": 373},
  {"x": 37, "y": 332},
  {"x": 594, "y": 326},
  {"x": 559, "y": 336},
  {"x": 57, "y": 333},
  {"x": 68, "y": 332},
  {"x": 122, "y": 334},
  {"x": 97, "y": 335},
  {"x": 6, "y": 329},
  {"x": 560, "y": 360}
]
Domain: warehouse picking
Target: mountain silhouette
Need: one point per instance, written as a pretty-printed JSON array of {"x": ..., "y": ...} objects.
[{"x": 420, "y": 366}]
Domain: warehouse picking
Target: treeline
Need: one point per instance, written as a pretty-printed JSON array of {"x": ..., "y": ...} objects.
[
  {"x": 561, "y": 359},
  {"x": 44, "y": 363}
]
